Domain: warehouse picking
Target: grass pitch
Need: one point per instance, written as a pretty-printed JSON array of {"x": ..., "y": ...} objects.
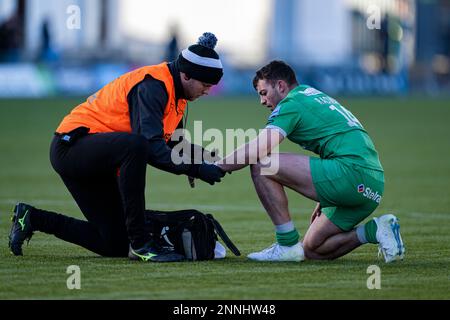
[{"x": 411, "y": 135}]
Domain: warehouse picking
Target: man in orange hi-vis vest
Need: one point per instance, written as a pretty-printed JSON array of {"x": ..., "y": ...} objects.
[{"x": 101, "y": 150}]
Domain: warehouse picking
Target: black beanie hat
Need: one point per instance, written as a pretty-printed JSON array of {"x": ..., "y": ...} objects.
[{"x": 201, "y": 62}]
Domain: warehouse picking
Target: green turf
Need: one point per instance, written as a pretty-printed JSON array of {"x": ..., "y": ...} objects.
[{"x": 412, "y": 137}]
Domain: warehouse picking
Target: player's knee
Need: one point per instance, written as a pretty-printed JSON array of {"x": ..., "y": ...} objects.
[
  {"x": 310, "y": 255},
  {"x": 116, "y": 249},
  {"x": 310, "y": 245},
  {"x": 313, "y": 250},
  {"x": 310, "y": 251},
  {"x": 115, "y": 242}
]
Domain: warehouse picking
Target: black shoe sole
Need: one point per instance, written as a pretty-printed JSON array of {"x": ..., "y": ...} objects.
[
  {"x": 172, "y": 257},
  {"x": 16, "y": 248}
]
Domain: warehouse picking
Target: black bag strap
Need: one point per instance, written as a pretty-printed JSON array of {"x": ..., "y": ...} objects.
[{"x": 223, "y": 235}]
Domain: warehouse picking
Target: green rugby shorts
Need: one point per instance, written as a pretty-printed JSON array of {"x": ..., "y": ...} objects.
[{"x": 348, "y": 193}]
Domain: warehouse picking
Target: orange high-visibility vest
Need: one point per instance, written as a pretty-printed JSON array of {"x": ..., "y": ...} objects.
[{"x": 108, "y": 111}]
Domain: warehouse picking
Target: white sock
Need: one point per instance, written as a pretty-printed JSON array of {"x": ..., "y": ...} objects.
[
  {"x": 286, "y": 227},
  {"x": 361, "y": 234}
]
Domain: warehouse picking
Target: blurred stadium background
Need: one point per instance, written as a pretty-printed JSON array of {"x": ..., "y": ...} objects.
[
  {"x": 388, "y": 61},
  {"x": 377, "y": 47}
]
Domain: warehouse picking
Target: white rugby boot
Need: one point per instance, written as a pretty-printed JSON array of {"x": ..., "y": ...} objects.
[
  {"x": 390, "y": 242},
  {"x": 277, "y": 252}
]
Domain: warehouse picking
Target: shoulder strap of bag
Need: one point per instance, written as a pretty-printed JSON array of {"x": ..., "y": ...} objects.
[{"x": 224, "y": 236}]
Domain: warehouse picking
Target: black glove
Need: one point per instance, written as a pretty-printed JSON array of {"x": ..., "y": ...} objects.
[{"x": 209, "y": 173}]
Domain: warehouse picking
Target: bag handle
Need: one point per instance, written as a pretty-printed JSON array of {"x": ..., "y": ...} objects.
[{"x": 224, "y": 236}]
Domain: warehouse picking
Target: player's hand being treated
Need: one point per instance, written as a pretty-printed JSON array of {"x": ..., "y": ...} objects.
[{"x": 210, "y": 173}]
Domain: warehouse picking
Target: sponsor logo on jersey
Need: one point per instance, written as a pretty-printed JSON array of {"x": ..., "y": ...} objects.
[
  {"x": 369, "y": 194},
  {"x": 310, "y": 92},
  {"x": 275, "y": 112}
]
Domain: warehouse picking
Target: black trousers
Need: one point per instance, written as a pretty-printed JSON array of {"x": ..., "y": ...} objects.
[{"x": 105, "y": 173}]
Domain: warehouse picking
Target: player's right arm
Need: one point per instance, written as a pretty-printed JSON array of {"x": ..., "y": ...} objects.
[{"x": 253, "y": 151}]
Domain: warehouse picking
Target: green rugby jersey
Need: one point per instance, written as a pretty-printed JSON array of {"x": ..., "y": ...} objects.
[{"x": 318, "y": 123}]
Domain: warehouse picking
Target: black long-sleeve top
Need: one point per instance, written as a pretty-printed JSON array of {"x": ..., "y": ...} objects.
[{"x": 147, "y": 102}]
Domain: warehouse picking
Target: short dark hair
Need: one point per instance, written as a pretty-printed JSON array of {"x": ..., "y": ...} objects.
[{"x": 275, "y": 70}]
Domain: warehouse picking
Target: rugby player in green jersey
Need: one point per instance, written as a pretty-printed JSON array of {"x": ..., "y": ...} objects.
[{"x": 346, "y": 180}]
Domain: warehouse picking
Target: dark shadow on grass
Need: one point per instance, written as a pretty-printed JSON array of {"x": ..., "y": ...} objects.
[{"x": 239, "y": 261}]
